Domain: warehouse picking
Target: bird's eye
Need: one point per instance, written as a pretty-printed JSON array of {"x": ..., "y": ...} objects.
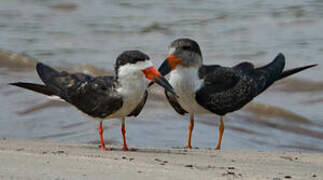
[
  {"x": 103, "y": 88},
  {"x": 185, "y": 47}
]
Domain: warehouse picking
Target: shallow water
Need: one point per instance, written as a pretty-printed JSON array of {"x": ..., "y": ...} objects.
[{"x": 82, "y": 36}]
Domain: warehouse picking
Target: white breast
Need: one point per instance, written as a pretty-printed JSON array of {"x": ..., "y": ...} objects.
[
  {"x": 132, "y": 88},
  {"x": 186, "y": 82},
  {"x": 132, "y": 91}
]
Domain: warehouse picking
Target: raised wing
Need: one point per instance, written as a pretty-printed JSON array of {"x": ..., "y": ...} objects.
[{"x": 94, "y": 96}]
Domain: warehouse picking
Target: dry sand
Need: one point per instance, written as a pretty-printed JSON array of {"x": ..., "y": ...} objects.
[{"x": 48, "y": 160}]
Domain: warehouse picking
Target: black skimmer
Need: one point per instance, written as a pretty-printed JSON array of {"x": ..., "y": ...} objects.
[
  {"x": 103, "y": 97},
  {"x": 213, "y": 88}
]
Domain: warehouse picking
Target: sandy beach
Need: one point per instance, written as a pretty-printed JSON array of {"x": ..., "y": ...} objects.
[
  {"x": 78, "y": 36},
  {"x": 277, "y": 136},
  {"x": 48, "y": 160}
]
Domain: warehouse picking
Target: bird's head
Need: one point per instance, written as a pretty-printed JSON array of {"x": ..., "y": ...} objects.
[
  {"x": 184, "y": 53},
  {"x": 132, "y": 63}
]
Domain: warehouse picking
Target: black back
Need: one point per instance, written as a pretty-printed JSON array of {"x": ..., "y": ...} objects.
[
  {"x": 229, "y": 89},
  {"x": 94, "y": 96}
]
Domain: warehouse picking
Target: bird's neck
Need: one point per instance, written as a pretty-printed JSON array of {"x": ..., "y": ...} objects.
[
  {"x": 186, "y": 82},
  {"x": 186, "y": 78},
  {"x": 186, "y": 72},
  {"x": 132, "y": 84}
]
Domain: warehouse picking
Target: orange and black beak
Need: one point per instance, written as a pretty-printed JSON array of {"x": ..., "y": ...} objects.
[
  {"x": 169, "y": 64},
  {"x": 152, "y": 74}
]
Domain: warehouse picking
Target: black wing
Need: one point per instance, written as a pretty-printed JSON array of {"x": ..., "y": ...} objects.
[
  {"x": 40, "y": 88},
  {"x": 268, "y": 74},
  {"x": 229, "y": 89},
  {"x": 94, "y": 96},
  {"x": 173, "y": 102},
  {"x": 289, "y": 72},
  {"x": 140, "y": 106}
]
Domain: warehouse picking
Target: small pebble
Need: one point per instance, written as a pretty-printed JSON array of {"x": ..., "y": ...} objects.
[
  {"x": 58, "y": 152},
  {"x": 314, "y": 175},
  {"x": 123, "y": 157}
]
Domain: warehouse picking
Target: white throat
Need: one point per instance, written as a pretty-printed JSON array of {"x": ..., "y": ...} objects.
[
  {"x": 186, "y": 81},
  {"x": 186, "y": 78},
  {"x": 132, "y": 80},
  {"x": 132, "y": 87}
]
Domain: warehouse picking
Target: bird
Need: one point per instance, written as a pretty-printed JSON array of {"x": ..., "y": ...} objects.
[
  {"x": 103, "y": 97},
  {"x": 215, "y": 89}
]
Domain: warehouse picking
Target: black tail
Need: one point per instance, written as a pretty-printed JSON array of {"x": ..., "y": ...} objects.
[
  {"x": 34, "y": 87},
  {"x": 295, "y": 70}
]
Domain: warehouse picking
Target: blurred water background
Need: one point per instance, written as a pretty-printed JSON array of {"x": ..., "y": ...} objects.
[{"x": 87, "y": 36}]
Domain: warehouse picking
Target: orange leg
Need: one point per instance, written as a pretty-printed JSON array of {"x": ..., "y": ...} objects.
[
  {"x": 190, "y": 130},
  {"x": 103, "y": 148},
  {"x": 123, "y": 131},
  {"x": 221, "y": 130}
]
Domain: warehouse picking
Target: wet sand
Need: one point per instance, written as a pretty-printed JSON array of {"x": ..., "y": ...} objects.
[
  {"x": 44, "y": 160},
  {"x": 272, "y": 122},
  {"x": 78, "y": 36}
]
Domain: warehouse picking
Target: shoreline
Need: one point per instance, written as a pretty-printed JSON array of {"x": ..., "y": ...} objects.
[{"x": 51, "y": 160}]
